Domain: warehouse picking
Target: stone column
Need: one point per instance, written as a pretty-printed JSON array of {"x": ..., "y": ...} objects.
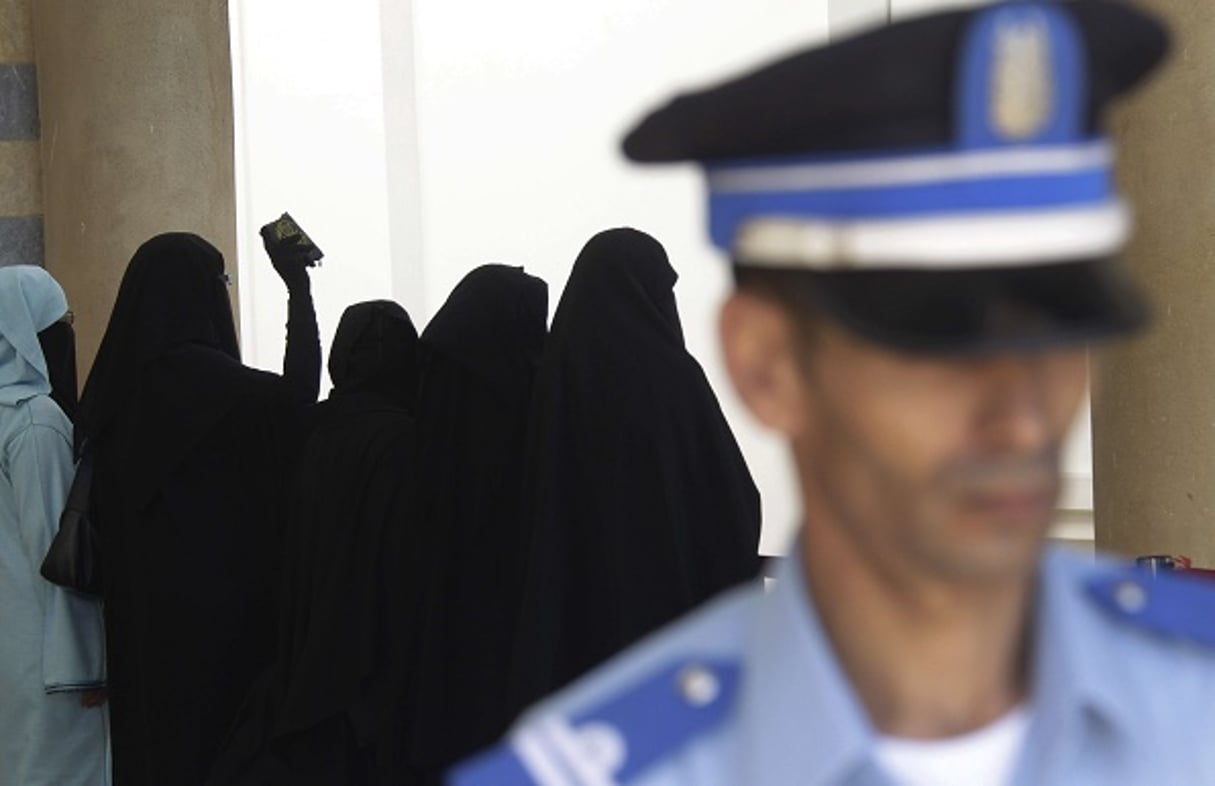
[
  {"x": 21, "y": 191},
  {"x": 1154, "y": 407},
  {"x": 136, "y": 109}
]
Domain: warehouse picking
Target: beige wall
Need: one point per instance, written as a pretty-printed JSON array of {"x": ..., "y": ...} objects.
[
  {"x": 1154, "y": 414},
  {"x": 136, "y": 106}
]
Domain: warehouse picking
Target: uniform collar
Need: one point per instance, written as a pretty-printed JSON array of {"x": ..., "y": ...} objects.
[
  {"x": 1078, "y": 676},
  {"x": 799, "y": 714}
]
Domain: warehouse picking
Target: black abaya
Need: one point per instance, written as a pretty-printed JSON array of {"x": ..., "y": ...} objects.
[
  {"x": 640, "y": 501},
  {"x": 480, "y": 354},
  {"x": 189, "y": 494},
  {"x": 330, "y": 712}
]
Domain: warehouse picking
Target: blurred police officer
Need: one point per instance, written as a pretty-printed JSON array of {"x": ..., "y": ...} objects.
[{"x": 925, "y": 231}]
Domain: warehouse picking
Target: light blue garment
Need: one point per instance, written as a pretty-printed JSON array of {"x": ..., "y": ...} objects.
[
  {"x": 30, "y": 302},
  {"x": 51, "y": 639},
  {"x": 1123, "y": 692}
]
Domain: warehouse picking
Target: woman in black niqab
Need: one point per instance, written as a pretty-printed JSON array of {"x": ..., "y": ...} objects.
[
  {"x": 193, "y": 454},
  {"x": 480, "y": 354},
  {"x": 640, "y": 501},
  {"x": 331, "y": 710}
]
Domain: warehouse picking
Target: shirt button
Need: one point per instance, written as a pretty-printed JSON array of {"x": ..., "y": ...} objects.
[
  {"x": 698, "y": 686},
  {"x": 1131, "y": 597}
]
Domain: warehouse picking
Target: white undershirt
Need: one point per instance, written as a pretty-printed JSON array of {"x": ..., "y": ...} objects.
[{"x": 986, "y": 756}]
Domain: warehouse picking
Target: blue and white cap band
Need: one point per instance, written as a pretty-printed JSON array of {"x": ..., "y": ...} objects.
[{"x": 997, "y": 207}]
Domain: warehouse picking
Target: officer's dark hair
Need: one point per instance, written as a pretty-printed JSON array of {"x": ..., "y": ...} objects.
[{"x": 792, "y": 290}]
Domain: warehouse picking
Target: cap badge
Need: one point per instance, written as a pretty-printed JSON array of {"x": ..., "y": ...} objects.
[{"x": 1022, "y": 94}]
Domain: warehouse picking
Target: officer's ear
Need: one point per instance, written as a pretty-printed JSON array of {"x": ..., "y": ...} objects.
[{"x": 760, "y": 343}]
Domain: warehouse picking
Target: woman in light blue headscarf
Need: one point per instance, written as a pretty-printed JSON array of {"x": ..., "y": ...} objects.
[{"x": 51, "y": 639}]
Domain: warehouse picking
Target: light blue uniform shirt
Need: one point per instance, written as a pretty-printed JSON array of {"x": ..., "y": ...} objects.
[{"x": 747, "y": 691}]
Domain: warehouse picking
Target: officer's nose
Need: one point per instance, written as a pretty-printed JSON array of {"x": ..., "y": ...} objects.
[{"x": 1016, "y": 414}]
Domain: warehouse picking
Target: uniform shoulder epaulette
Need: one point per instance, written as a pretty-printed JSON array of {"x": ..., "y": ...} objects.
[
  {"x": 1171, "y": 605},
  {"x": 618, "y": 739}
]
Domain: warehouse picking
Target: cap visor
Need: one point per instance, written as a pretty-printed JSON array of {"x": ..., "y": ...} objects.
[{"x": 986, "y": 310}]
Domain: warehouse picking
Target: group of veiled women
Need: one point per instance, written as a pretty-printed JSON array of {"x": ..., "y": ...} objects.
[{"x": 369, "y": 589}]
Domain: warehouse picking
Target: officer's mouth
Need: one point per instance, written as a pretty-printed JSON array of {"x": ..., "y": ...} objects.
[{"x": 1015, "y": 502}]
